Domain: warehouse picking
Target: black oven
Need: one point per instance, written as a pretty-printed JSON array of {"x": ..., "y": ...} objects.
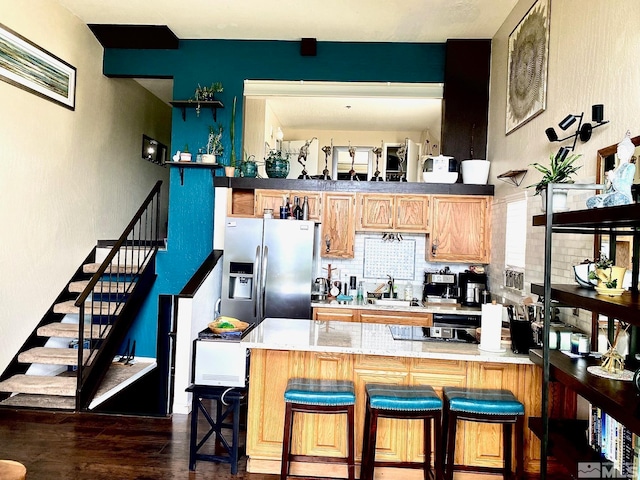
[{"x": 454, "y": 320}]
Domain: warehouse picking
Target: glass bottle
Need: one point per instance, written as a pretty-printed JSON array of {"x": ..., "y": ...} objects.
[
  {"x": 305, "y": 209},
  {"x": 288, "y": 208},
  {"x": 297, "y": 211}
]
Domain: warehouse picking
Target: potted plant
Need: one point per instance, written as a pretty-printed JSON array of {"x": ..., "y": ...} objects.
[
  {"x": 185, "y": 155},
  {"x": 214, "y": 144},
  {"x": 609, "y": 276},
  {"x": 276, "y": 164},
  {"x": 561, "y": 169},
  {"x": 248, "y": 166}
]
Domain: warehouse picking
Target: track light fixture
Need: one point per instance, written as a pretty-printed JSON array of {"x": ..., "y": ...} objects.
[{"x": 583, "y": 131}]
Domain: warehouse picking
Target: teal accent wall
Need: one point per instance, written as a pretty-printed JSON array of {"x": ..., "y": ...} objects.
[{"x": 190, "y": 228}]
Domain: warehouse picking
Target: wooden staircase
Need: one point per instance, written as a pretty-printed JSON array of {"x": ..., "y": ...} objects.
[{"x": 71, "y": 356}]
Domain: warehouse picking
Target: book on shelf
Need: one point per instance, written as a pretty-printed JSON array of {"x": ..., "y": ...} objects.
[{"x": 617, "y": 445}]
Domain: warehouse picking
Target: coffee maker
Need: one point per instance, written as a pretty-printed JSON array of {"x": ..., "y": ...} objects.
[
  {"x": 441, "y": 285},
  {"x": 471, "y": 287}
]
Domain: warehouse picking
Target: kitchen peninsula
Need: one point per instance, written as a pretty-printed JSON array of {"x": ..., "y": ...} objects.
[{"x": 361, "y": 352}]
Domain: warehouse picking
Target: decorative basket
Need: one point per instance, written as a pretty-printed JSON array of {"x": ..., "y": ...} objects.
[{"x": 238, "y": 325}]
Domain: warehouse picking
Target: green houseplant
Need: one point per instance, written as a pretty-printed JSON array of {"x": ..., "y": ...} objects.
[
  {"x": 608, "y": 275},
  {"x": 561, "y": 169},
  {"x": 231, "y": 169}
]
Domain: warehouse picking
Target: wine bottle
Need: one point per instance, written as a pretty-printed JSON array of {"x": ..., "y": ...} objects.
[
  {"x": 297, "y": 211},
  {"x": 305, "y": 209}
]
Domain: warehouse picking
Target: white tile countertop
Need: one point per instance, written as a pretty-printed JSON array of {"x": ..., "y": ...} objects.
[
  {"x": 362, "y": 339},
  {"x": 430, "y": 308}
]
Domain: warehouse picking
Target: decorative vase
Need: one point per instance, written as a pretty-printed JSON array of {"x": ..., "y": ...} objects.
[
  {"x": 230, "y": 171},
  {"x": 185, "y": 157},
  {"x": 559, "y": 200},
  {"x": 248, "y": 169},
  {"x": 276, "y": 167},
  {"x": 610, "y": 274},
  {"x": 475, "y": 172},
  {"x": 208, "y": 158}
]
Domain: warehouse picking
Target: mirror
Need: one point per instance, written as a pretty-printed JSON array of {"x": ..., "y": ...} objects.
[
  {"x": 607, "y": 160},
  {"x": 366, "y": 114}
]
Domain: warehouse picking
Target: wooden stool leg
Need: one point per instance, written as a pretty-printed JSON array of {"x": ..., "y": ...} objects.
[
  {"x": 351, "y": 457},
  {"x": 437, "y": 448},
  {"x": 365, "y": 442},
  {"x": 427, "y": 446},
  {"x": 451, "y": 444},
  {"x": 506, "y": 444},
  {"x": 286, "y": 441},
  {"x": 520, "y": 447},
  {"x": 372, "y": 433}
]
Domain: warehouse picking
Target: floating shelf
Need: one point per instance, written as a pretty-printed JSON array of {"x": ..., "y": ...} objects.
[
  {"x": 513, "y": 176},
  {"x": 182, "y": 165},
  {"x": 213, "y": 105}
]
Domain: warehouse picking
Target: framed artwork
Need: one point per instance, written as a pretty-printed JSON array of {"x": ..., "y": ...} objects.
[
  {"x": 27, "y": 66},
  {"x": 527, "y": 66}
]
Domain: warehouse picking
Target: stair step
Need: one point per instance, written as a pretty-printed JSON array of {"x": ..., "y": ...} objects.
[
  {"x": 99, "y": 308},
  {"x": 101, "y": 287},
  {"x": 40, "y": 401},
  {"x": 52, "y": 356},
  {"x": 94, "y": 267},
  {"x": 40, "y": 385},
  {"x": 70, "y": 330}
]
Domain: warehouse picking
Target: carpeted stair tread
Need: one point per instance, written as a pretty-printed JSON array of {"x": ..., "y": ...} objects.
[
  {"x": 101, "y": 287},
  {"x": 99, "y": 308},
  {"x": 52, "y": 356},
  {"x": 40, "y": 401},
  {"x": 70, "y": 330},
  {"x": 40, "y": 384},
  {"x": 94, "y": 267}
]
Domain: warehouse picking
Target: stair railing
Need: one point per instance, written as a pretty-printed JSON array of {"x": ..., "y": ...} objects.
[{"x": 103, "y": 299}]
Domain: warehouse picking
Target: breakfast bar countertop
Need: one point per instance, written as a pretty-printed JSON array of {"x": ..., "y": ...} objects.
[
  {"x": 398, "y": 307},
  {"x": 362, "y": 339}
]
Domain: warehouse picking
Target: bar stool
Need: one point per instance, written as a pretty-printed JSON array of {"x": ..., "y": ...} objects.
[
  {"x": 489, "y": 406},
  {"x": 409, "y": 402},
  {"x": 318, "y": 396}
]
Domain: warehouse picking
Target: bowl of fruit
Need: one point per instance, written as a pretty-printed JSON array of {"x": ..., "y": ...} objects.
[{"x": 225, "y": 324}]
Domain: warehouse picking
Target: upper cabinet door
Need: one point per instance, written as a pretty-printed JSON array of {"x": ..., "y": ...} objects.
[
  {"x": 412, "y": 213},
  {"x": 338, "y": 225},
  {"x": 460, "y": 229},
  {"x": 376, "y": 212}
]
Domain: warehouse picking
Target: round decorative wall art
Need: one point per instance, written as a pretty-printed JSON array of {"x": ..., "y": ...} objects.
[{"x": 527, "y": 66}]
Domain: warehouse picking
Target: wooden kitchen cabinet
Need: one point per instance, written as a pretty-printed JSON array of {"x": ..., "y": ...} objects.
[
  {"x": 338, "y": 229},
  {"x": 388, "y": 317},
  {"x": 340, "y": 314},
  {"x": 460, "y": 229},
  {"x": 274, "y": 199},
  {"x": 391, "y": 212}
]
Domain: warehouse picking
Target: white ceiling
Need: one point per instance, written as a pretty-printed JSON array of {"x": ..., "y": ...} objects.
[{"x": 325, "y": 20}]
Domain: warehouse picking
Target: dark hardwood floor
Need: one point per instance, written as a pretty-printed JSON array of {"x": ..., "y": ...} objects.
[{"x": 87, "y": 446}]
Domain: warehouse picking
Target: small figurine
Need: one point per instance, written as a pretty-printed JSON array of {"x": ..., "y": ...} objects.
[
  {"x": 376, "y": 175},
  {"x": 327, "y": 151},
  {"x": 352, "y": 173},
  {"x": 619, "y": 180},
  {"x": 302, "y": 159}
]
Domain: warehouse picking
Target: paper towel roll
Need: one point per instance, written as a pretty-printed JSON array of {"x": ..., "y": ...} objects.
[{"x": 491, "y": 325}]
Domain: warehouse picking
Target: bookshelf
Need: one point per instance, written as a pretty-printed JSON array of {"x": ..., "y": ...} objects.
[{"x": 616, "y": 398}]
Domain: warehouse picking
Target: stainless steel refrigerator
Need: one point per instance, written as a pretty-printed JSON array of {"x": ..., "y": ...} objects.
[{"x": 267, "y": 268}]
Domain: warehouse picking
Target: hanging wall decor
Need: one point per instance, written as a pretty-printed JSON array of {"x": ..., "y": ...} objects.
[
  {"x": 27, "y": 66},
  {"x": 527, "y": 67}
]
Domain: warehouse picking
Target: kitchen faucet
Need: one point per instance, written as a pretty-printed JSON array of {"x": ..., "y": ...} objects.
[{"x": 390, "y": 286}]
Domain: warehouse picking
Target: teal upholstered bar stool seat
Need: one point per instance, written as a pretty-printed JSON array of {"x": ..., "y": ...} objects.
[
  {"x": 488, "y": 406},
  {"x": 321, "y": 397},
  {"x": 403, "y": 402}
]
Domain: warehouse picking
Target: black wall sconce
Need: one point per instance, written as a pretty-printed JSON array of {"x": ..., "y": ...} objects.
[
  {"x": 583, "y": 131},
  {"x": 153, "y": 150}
]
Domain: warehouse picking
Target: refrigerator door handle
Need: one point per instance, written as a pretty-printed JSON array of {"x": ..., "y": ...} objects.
[
  {"x": 256, "y": 281},
  {"x": 263, "y": 282}
]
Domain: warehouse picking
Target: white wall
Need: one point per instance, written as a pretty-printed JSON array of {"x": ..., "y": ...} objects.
[
  {"x": 69, "y": 178},
  {"x": 592, "y": 53}
]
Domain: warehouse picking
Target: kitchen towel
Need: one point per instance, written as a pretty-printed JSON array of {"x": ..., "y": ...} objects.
[{"x": 491, "y": 328}]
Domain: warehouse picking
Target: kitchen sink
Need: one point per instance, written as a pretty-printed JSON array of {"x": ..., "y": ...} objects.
[{"x": 389, "y": 302}]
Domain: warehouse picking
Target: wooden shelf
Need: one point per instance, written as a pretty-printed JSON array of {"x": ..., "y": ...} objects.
[
  {"x": 597, "y": 220},
  {"x": 182, "y": 165},
  {"x": 618, "y": 398},
  {"x": 513, "y": 176},
  {"x": 567, "y": 442},
  {"x": 212, "y": 105},
  {"x": 625, "y": 307}
]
